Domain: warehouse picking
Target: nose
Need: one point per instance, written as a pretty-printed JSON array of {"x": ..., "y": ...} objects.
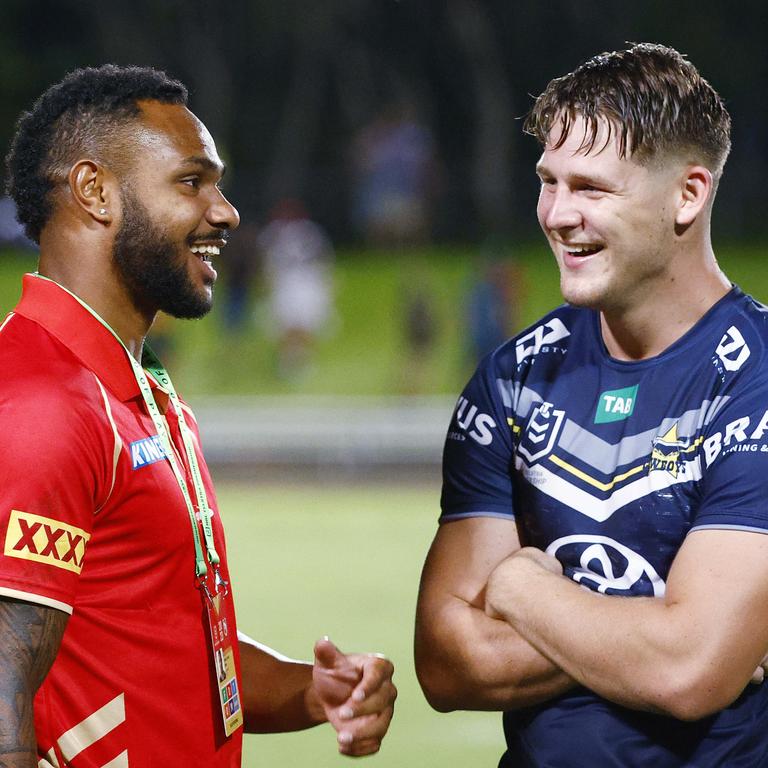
[
  {"x": 557, "y": 208},
  {"x": 221, "y": 213}
]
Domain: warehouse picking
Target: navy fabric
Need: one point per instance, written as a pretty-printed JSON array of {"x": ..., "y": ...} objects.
[{"x": 608, "y": 465}]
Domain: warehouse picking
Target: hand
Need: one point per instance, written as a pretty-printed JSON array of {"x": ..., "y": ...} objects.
[
  {"x": 759, "y": 674},
  {"x": 513, "y": 573},
  {"x": 356, "y": 694}
]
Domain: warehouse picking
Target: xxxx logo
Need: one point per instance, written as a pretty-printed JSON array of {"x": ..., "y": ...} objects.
[{"x": 43, "y": 540}]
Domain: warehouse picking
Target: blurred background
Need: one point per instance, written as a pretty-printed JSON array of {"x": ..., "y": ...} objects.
[{"x": 389, "y": 240}]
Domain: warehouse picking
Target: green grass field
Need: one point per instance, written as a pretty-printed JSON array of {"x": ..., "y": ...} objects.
[
  {"x": 364, "y": 352},
  {"x": 308, "y": 561}
]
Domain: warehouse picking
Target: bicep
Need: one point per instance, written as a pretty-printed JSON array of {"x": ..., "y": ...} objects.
[
  {"x": 719, "y": 580},
  {"x": 30, "y": 636},
  {"x": 463, "y": 555}
]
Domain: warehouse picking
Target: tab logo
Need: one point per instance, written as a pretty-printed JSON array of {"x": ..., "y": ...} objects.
[
  {"x": 616, "y": 404},
  {"x": 146, "y": 451},
  {"x": 43, "y": 540}
]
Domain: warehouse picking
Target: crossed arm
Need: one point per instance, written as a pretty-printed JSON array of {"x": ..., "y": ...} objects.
[
  {"x": 499, "y": 627},
  {"x": 464, "y": 658}
]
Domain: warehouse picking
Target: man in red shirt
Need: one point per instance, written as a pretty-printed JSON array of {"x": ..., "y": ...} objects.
[{"x": 118, "y": 642}]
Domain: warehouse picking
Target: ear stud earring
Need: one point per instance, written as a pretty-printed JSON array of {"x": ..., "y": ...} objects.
[{"x": 102, "y": 211}]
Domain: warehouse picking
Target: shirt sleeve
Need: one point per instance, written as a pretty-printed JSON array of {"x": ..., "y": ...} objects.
[
  {"x": 734, "y": 459},
  {"x": 477, "y": 457},
  {"x": 51, "y": 478}
]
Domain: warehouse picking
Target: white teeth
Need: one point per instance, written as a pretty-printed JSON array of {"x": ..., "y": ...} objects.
[
  {"x": 210, "y": 250},
  {"x": 578, "y": 249}
]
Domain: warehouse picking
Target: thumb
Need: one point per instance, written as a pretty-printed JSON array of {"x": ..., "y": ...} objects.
[{"x": 327, "y": 655}]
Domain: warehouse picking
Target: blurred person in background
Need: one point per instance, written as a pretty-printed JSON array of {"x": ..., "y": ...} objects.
[
  {"x": 297, "y": 262},
  {"x": 118, "y": 640},
  {"x": 601, "y": 570},
  {"x": 493, "y": 302},
  {"x": 240, "y": 270},
  {"x": 394, "y": 170}
]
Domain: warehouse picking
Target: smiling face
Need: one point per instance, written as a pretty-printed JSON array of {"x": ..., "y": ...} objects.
[
  {"x": 174, "y": 217},
  {"x": 610, "y": 221}
]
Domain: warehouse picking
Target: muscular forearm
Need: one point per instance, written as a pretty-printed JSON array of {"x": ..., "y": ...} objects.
[
  {"x": 643, "y": 653},
  {"x": 277, "y": 692},
  {"x": 29, "y": 638},
  {"x": 466, "y": 660}
]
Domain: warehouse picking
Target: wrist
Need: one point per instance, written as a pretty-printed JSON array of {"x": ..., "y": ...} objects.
[{"x": 313, "y": 705}]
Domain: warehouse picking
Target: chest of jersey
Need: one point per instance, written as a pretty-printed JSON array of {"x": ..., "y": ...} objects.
[{"x": 607, "y": 466}]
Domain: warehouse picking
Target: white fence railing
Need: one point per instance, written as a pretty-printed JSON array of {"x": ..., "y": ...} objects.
[{"x": 344, "y": 431}]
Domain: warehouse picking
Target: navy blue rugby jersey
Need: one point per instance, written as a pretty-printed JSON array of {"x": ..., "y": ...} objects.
[{"x": 607, "y": 465}]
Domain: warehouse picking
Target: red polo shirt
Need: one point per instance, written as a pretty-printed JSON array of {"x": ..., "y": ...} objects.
[{"x": 92, "y": 522}]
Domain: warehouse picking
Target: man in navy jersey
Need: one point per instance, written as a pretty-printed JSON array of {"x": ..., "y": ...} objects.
[{"x": 616, "y": 449}]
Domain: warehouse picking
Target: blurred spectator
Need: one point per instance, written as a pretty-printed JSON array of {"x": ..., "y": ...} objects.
[
  {"x": 394, "y": 174},
  {"x": 11, "y": 232},
  {"x": 493, "y": 305},
  {"x": 297, "y": 264},
  {"x": 239, "y": 266},
  {"x": 420, "y": 329}
]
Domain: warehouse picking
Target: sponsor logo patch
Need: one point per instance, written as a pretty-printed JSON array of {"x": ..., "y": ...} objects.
[
  {"x": 605, "y": 565},
  {"x": 476, "y": 424},
  {"x": 146, "y": 451},
  {"x": 732, "y": 349},
  {"x": 43, "y": 540},
  {"x": 616, "y": 404},
  {"x": 540, "y": 339}
]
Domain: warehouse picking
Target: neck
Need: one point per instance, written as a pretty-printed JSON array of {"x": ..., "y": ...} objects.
[
  {"x": 108, "y": 298},
  {"x": 668, "y": 310}
]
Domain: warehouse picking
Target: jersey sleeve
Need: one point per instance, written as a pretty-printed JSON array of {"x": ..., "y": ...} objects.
[
  {"x": 51, "y": 478},
  {"x": 734, "y": 460},
  {"x": 477, "y": 457}
]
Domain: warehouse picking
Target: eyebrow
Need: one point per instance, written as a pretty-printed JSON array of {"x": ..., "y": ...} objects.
[
  {"x": 205, "y": 162},
  {"x": 542, "y": 170}
]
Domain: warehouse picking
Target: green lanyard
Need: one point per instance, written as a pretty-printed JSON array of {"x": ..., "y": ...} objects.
[{"x": 155, "y": 367}]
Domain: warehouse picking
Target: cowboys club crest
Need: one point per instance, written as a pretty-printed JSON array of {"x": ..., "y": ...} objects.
[{"x": 541, "y": 433}]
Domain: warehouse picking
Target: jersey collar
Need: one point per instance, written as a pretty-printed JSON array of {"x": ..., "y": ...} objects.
[{"x": 49, "y": 305}]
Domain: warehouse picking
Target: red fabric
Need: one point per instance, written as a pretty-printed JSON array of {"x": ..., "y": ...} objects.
[{"x": 137, "y": 640}]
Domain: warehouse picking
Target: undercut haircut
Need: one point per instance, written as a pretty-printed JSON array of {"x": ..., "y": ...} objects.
[
  {"x": 84, "y": 115},
  {"x": 649, "y": 96}
]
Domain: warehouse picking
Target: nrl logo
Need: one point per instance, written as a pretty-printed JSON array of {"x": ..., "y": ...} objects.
[
  {"x": 541, "y": 432},
  {"x": 665, "y": 452}
]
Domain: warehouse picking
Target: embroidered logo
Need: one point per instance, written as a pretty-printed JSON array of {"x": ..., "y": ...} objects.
[
  {"x": 146, "y": 451},
  {"x": 732, "y": 349},
  {"x": 540, "y": 339},
  {"x": 541, "y": 432},
  {"x": 665, "y": 452},
  {"x": 616, "y": 404},
  {"x": 43, "y": 540}
]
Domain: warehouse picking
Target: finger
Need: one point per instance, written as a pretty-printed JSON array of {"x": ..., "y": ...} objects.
[
  {"x": 327, "y": 655},
  {"x": 374, "y": 702},
  {"x": 361, "y": 749},
  {"x": 376, "y": 671},
  {"x": 373, "y": 726}
]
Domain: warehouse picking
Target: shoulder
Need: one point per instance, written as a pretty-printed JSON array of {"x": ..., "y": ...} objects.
[{"x": 44, "y": 388}]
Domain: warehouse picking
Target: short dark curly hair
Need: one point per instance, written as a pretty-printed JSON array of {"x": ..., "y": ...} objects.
[
  {"x": 650, "y": 95},
  {"x": 80, "y": 116}
]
